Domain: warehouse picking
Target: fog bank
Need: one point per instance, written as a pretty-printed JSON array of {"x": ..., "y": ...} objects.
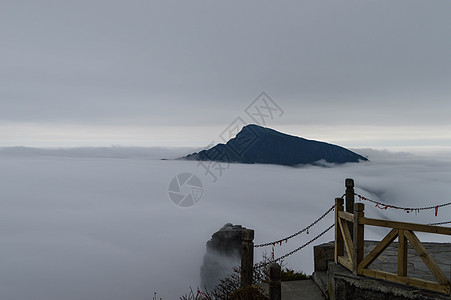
[{"x": 87, "y": 227}]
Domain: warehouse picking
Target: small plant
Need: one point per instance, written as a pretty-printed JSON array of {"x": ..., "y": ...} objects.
[
  {"x": 229, "y": 288},
  {"x": 230, "y": 284},
  {"x": 199, "y": 295},
  {"x": 249, "y": 292},
  {"x": 290, "y": 275}
]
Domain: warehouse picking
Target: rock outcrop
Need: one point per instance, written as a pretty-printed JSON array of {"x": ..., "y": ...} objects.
[{"x": 222, "y": 255}]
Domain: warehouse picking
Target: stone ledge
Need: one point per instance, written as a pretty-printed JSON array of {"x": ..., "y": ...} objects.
[
  {"x": 320, "y": 278},
  {"x": 342, "y": 284}
]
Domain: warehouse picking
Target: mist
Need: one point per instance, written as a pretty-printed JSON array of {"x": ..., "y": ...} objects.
[{"x": 95, "y": 224}]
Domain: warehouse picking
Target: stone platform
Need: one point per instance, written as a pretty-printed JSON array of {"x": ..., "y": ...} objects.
[
  {"x": 297, "y": 290},
  {"x": 337, "y": 282},
  {"x": 388, "y": 260}
]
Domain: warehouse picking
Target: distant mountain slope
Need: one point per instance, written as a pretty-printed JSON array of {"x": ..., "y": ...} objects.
[{"x": 256, "y": 144}]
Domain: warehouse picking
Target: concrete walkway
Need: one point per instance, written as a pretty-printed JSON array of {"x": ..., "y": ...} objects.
[{"x": 299, "y": 289}]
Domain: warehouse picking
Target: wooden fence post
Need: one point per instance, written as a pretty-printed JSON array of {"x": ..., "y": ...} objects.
[
  {"x": 247, "y": 257},
  {"x": 358, "y": 236},
  {"x": 402, "y": 253},
  {"x": 275, "y": 274},
  {"x": 339, "y": 244},
  {"x": 349, "y": 184}
]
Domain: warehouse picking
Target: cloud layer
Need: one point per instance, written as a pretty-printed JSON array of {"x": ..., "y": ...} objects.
[{"x": 104, "y": 227}]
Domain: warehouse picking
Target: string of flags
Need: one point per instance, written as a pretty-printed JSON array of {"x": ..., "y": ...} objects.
[
  {"x": 302, "y": 246},
  {"x": 415, "y": 210},
  {"x": 285, "y": 240},
  {"x": 265, "y": 263},
  {"x": 306, "y": 230}
]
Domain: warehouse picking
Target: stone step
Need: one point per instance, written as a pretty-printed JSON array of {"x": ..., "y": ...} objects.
[{"x": 299, "y": 289}]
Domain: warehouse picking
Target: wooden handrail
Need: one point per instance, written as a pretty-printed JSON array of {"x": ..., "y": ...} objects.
[
  {"x": 407, "y": 226},
  {"x": 347, "y": 216},
  {"x": 349, "y": 234}
]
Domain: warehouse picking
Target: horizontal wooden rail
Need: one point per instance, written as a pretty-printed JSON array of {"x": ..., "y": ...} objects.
[
  {"x": 424, "y": 284},
  {"x": 346, "y": 216},
  {"x": 407, "y": 226}
]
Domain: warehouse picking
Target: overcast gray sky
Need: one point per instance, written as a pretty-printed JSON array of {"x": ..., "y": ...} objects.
[{"x": 177, "y": 73}]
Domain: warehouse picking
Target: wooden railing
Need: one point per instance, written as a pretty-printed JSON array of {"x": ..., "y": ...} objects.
[{"x": 349, "y": 235}]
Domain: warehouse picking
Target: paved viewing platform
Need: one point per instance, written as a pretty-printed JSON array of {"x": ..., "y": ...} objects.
[
  {"x": 298, "y": 289},
  {"x": 328, "y": 274},
  {"x": 388, "y": 260},
  {"x": 336, "y": 282}
]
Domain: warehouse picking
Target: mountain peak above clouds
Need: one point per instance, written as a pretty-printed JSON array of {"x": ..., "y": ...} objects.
[{"x": 256, "y": 144}]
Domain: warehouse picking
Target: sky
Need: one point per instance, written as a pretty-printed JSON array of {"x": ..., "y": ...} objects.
[{"x": 178, "y": 73}]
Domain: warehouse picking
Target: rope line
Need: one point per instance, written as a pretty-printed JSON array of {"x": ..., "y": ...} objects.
[
  {"x": 306, "y": 244},
  {"x": 440, "y": 223},
  {"x": 263, "y": 264},
  {"x": 297, "y": 233},
  {"x": 361, "y": 198},
  {"x": 406, "y": 209}
]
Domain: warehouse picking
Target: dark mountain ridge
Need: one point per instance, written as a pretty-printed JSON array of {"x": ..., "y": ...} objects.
[{"x": 256, "y": 144}]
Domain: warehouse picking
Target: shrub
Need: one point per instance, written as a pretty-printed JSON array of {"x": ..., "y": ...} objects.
[
  {"x": 199, "y": 295},
  {"x": 290, "y": 275},
  {"x": 229, "y": 288},
  {"x": 249, "y": 292}
]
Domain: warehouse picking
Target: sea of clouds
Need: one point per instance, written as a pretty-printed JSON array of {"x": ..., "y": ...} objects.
[{"x": 97, "y": 223}]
